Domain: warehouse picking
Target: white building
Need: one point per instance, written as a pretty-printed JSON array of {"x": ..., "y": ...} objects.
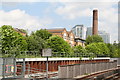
[
  {"x": 89, "y": 31},
  {"x": 105, "y": 36},
  {"x": 79, "y": 31}
]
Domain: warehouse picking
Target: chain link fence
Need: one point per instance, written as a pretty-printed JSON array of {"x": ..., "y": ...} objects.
[{"x": 9, "y": 68}]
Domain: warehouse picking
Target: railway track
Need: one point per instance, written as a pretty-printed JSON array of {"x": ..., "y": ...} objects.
[{"x": 110, "y": 74}]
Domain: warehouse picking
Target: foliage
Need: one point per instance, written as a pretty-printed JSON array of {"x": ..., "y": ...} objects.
[
  {"x": 12, "y": 41},
  {"x": 93, "y": 39},
  {"x": 99, "y": 49},
  {"x": 79, "y": 50},
  {"x": 37, "y": 40},
  {"x": 117, "y": 53},
  {"x": 36, "y": 43},
  {"x": 43, "y": 33},
  {"x": 57, "y": 44},
  {"x": 112, "y": 49}
]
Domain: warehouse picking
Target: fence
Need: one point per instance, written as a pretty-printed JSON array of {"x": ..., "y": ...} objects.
[
  {"x": 118, "y": 60},
  {"x": 31, "y": 54},
  {"x": 9, "y": 68},
  {"x": 71, "y": 71}
]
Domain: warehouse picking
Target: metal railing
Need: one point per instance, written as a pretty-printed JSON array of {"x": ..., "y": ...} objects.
[{"x": 33, "y": 54}]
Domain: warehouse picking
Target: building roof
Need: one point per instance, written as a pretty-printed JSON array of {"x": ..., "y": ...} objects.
[
  {"x": 19, "y": 31},
  {"x": 57, "y": 30},
  {"x": 78, "y": 25},
  {"x": 69, "y": 32},
  {"x": 77, "y": 38}
]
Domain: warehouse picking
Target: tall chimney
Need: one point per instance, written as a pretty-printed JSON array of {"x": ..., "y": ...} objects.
[{"x": 95, "y": 22}]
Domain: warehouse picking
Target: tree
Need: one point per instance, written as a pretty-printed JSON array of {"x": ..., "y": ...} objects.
[
  {"x": 112, "y": 49},
  {"x": 116, "y": 46},
  {"x": 59, "y": 45},
  {"x": 43, "y": 33},
  {"x": 116, "y": 54},
  {"x": 93, "y": 39},
  {"x": 79, "y": 50},
  {"x": 99, "y": 49},
  {"x": 12, "y": 41},
  {"x": 36, "y": 43}
]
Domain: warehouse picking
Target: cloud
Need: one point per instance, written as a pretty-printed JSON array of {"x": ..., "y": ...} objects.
[
  {"x": 108, "y": 15},
  {"x": 20, "y": 19},
  {"x": 72, "y": 11},
  {"x": 59, "y": 0}
]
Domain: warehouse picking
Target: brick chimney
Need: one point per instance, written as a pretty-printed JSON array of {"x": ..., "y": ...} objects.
[{"x": 95, "y": 22}]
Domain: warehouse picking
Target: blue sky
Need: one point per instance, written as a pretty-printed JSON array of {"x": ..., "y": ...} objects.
[{"x": 36, "y": 15}]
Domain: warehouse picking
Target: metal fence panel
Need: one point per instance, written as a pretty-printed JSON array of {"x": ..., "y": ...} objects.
[
  {"x": 88, "y": 68},
  {"x": 8, "y": 68},
  {"x": 85, "y": 68},
  {"x": 70, "y": 71},
  {"x": 93, "y": 67},
  {"x": 118, "y": 60},
  {"x": 76, "y": 70},
  {"x": 62, "y": 72},
  {"x": 1, "y": 66}
]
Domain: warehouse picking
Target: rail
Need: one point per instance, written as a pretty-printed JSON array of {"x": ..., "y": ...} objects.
[{"x": 109, "y": 74}]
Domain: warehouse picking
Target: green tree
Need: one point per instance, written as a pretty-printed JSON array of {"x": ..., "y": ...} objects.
[
  {"x": 38, "y": 40},
  {"x": 99, "y": 49},
  {"x": 43, "y": 33},
  {"x": 116, "y": 54},
  {"x": 93, "y": 39},
  {"x": 12, "y": 41},
  {"x": 117, "y": 49},
  {"x": 59, "y": 45},
  {"x": 79, "y": 50},
  {"x": 112, "y": 49},
  {"x": 36, "y": 43}
]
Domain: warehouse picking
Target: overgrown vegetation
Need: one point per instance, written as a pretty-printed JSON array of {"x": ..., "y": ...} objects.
[{"x": 14, "y": 44}]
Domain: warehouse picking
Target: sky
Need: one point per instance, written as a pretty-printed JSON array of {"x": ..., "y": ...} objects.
[{"x": 33, "y": 15}]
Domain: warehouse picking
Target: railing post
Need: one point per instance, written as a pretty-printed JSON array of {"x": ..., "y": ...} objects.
[
  {"x": 23, "y": 71},
  {"x": 14, "y": 67},
  {"x": 47, "y": 68},
  {"x": 3, "y": 74},
  {"x": 28, "y": 70}
]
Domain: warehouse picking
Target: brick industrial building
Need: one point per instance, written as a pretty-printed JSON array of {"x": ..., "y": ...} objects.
[{"x": 67, "y": 36}]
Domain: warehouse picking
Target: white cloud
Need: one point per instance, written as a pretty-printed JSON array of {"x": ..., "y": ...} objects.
[
  {"x": 108, "y": 15},
  {"x": 19, "y": 18},
  {"x": 59, "y": 0},
  {"x": 72, "y": 11}
]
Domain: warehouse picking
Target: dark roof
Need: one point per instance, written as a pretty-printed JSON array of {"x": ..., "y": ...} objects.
[
  {"x": 18, "y": 30},
  {"x": 77, "y": 38}
]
